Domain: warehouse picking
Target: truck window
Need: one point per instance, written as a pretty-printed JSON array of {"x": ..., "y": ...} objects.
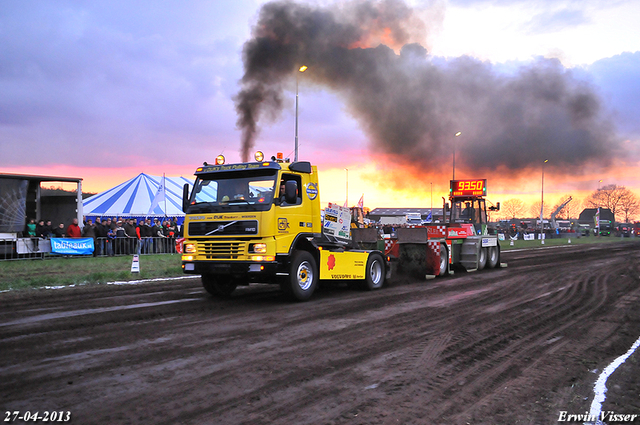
[
  {"x": 285, "y": 178},
  {"x": 233, "y": 191}
]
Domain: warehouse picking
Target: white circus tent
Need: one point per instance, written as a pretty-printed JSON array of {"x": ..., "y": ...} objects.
[{"x": 142, "y": 196}]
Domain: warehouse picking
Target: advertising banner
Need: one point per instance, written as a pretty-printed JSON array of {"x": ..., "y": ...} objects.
[
  {"x": 69, "y": 246},
  {"x": 337, "y": 221}
]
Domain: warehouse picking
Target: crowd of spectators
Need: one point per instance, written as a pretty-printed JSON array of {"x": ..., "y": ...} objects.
[{"x": 112, "y": 236}]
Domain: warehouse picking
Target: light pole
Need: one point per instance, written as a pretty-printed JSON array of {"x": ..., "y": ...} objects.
[
  {"x": 454, "y": 155},
  {"x": 542, "y": 205},
  {"x": 432, "y": 202},
  {"x": 598, "y": 210},
  {"x": 303, "y": 68},
  {"x": 346, "y": 202}
]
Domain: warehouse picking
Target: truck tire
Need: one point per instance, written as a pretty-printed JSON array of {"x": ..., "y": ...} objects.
[
  {"x": 303, "y": 276},
  {"x": 444, "y": 260},
  {"x": 493, "y": 257},
  {"x": 220, "y": 286},
  {"x": 482, "y": 258},
  {"x": 374, "y": 273}
]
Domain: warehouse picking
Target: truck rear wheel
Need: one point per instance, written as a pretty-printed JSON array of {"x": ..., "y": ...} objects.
[
  {"x": 493, "y": 257},
  {"x": 218, "y": 285},
  {"x": 482, "y": 258},
  {"x": 303, "y": 276},
  {"x": 374, "y": 277}
]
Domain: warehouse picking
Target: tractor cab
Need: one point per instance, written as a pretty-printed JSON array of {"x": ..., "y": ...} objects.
[
  {"x": 468, "y": 205},
  {"x": 469, "y": 211}
]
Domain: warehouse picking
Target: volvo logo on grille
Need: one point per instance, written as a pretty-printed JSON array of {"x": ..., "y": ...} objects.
[{"x": 233, "y": 227}]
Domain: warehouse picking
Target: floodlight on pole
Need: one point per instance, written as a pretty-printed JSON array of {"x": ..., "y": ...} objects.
[
  {"x": 454, "y": 155},
  {"x": 303, "y": 68}
]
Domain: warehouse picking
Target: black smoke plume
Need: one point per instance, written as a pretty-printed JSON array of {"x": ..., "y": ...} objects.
[{"x": 411, "y": 104}]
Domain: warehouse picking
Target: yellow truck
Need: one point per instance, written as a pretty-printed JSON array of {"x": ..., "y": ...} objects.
[{"x": 261, "y": 222}]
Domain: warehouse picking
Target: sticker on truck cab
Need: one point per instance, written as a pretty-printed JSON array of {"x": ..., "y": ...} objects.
[
  {"x": 283, "y": 225},
  {"x": 312, "y": 191}
]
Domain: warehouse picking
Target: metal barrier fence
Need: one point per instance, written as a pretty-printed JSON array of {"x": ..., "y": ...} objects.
[{"x": 30, "y": 248}]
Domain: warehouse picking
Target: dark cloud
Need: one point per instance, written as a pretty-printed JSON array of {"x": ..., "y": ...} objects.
[{"x": 411, "y": 104}]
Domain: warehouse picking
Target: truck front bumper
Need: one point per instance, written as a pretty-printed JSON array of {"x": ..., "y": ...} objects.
[{"x": 239, "y": 268}]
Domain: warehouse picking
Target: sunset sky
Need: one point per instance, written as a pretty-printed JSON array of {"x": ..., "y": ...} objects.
[{"x": 106, "y": 90}]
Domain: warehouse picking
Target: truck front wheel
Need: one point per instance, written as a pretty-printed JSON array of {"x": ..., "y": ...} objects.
[
  {"x": 303, "y": 276},
  {"x": 219, "y": 285},
  {"x": 374, "y": 278}
]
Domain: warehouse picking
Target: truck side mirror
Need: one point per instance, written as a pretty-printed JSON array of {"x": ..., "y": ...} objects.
[
  {"x": 185, "y": 197},
  {"x": 291, "y": 192}
]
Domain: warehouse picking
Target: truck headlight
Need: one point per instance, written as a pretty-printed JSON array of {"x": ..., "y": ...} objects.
[
  {"x": 263, "y": 258},
  {"x": 258, "y": 248},
  {"x": 189, "y": 248}
]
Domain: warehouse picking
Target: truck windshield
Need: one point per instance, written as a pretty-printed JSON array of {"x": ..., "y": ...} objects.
[{"x": 233, "y": 191}]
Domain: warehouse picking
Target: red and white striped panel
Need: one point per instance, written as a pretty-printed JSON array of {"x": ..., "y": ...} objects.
[
  {"x": 434, "y": 246},
  {"x": 436, "y": 231},
  {"x": 391, "y": 247}
]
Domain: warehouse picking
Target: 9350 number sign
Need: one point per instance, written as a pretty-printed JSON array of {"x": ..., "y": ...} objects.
[{"x": 466, "y": 188}]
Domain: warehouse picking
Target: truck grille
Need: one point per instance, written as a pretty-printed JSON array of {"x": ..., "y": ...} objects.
[
  {"x": 226, "y": 228},
  {"x": 221, "y": 250}
]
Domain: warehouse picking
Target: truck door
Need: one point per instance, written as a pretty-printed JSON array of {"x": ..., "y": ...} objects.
[{"x": 292, "y": 217}]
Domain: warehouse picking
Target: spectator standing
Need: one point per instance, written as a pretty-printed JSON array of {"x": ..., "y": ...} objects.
[
  {"x": 101, "y": 238},
  {"x": 158, "y": 235},
  {"x": 74, "y": 231},
  {"x": 145, "y": 235},
  {"x": 40, "y": 229},
  {"x": 48, "y": 230},
  {"x": 30, "y": 232},
  {"x": 172, "y": 236},
  {"x": 89, "y": 231},
  {"x": 58, "y": 232},
  {"x": 130, "y": 228},
  {"x": 111, "y": 241},
  {"x": 122, "y": 239}
]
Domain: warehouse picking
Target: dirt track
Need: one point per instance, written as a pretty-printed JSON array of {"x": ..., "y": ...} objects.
[{"x": 515, "y": 345}]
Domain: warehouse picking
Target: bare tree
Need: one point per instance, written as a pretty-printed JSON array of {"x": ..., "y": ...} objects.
[
  {"x": 513, "y": 208},
  {"x": 535, "y": 209},
  {"x": 609, "y": 196},
  {"x": 629, "y": 206}
]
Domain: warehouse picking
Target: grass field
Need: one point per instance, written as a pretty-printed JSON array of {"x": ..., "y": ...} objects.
[
  {"x": 62, "y": 271},
  {"x": 59, "y": 271}
]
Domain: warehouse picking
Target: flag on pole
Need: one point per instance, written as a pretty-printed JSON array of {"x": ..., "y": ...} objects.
[
  {"x": 361, "y": 202},
  {"x": 160, "y": 196},
  {"x": 596, "y": 218}
]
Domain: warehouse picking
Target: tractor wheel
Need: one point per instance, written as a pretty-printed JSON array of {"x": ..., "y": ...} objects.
[
  {"x": 444, "y": 260},
  {"x": 493, "y": 257},
  {"x": 482, "y": 258}
]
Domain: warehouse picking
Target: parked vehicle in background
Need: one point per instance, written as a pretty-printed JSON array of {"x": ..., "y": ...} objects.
[{"x": 624, "y": 230}]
